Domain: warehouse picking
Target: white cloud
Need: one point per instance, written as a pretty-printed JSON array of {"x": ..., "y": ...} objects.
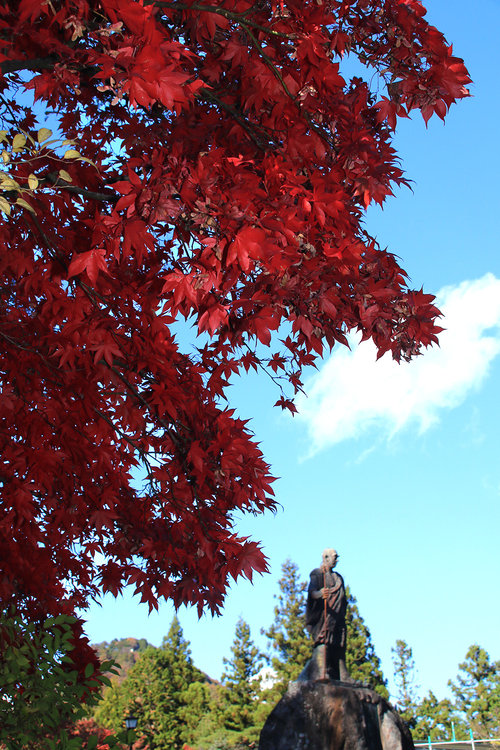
[{"x": 353, "y": 392}]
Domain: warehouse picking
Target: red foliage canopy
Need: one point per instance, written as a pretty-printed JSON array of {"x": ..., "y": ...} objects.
[{"x": 217, "y": 167}]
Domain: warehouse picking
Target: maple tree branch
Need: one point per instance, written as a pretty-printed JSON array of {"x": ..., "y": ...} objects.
[
  {"x": 238, "y": 17},
  {"x": 85, "y": 192},
  {"x": 8, "y": 106},
  {"x": 40, "y": 63},
  {"x": 142, "y": 453},
  {"x": 207, "y": 95},
  {"x": 263, "y": 367},
  {"x": 272, "y": 67},
  {"x": 17, "y": 344},
  {"x": 90, "y": 292},
  {"x": 128, "y": 385}
]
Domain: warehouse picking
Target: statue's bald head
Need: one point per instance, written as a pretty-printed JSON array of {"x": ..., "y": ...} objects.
[{"x": 329, "y": 558}]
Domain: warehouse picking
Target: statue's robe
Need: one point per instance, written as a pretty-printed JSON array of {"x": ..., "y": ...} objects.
[{"x": 331, "y": 631}]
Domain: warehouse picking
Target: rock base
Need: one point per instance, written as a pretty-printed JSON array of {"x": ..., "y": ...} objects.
[{"x": 333, "y": 716}]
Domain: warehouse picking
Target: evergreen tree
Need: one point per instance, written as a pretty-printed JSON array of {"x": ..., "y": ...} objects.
[
  {"x": 288, "y": 636},
  {"x": 157, "y": 691},
  {"x": 434, "y": 718},
  {"x": 239, "y": 679},
  {"x": 201, "y": 714},
  {"x": 111, "y": 711},
  {"x": 477, "y": 692},
  {"x": 405, "y": 680},
  {"x": 362, "y": 662}
]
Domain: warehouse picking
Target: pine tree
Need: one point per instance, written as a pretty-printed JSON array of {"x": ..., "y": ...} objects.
[
  {"x": 201, "y": 713},
  {"x": 157, "y": 691},
  {"x": 288, "y": 636},
  {"x": 433, "y": 718},
  {"x": 404, "y": 677},
  {"x": 362, "y": 662},
  {"x": 239, "y": 679},
  {"x": 477, "y": 692},
  {"x": 111, "y": 711}
]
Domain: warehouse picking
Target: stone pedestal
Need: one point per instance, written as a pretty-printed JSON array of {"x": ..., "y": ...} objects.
[{"x": 333, "y": 715}]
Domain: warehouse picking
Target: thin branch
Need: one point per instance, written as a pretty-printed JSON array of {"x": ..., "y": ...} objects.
[
  {"x": 207, "y": 95},
  {"x": 272, "y": 67},
  {"x": 237, "y": 17},
  {"x": 85, "y": 192}
]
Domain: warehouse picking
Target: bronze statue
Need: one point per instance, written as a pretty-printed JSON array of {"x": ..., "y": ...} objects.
[
  {"x": 324, "y": 707},
  {"x": 325, "y": 618}
]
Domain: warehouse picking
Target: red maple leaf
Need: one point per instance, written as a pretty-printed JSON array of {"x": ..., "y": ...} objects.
[{"x": 91, "y": 261}]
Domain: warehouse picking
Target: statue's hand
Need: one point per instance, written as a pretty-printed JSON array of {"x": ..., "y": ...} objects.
[{"x": 324, "y": 592}]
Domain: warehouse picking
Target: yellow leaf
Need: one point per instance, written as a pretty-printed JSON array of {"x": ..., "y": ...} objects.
[
  {"x": 7, "y": 183},
  {"x": 22, "y": 202},
  {"x": 5, "y": 157},
  {"x": 32, "y": 182},
  {"x": 5, "y": 206},
  {"x": 72, "y": 154},
  {"x": 43, "y": 134},
  {"x": 3, "y": 135},
  {"x": 19, "y": 142},
  {"x": 64, "y": 175},
  {"x": 69, "y": 142}
]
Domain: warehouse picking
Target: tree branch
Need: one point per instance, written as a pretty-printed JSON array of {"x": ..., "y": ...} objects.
[
  {"x": 40, "y": 63},
  {"x": 85, "y": 192},
  {"x": 207, "y": 95},
  {"x": 236, "y": 17}
]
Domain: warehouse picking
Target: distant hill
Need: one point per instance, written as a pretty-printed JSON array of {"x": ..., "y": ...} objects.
[{"x": 125, "y": 651}]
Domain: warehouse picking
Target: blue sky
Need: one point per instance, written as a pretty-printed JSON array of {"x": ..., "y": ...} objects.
[{"x": 395, "y": 467}]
